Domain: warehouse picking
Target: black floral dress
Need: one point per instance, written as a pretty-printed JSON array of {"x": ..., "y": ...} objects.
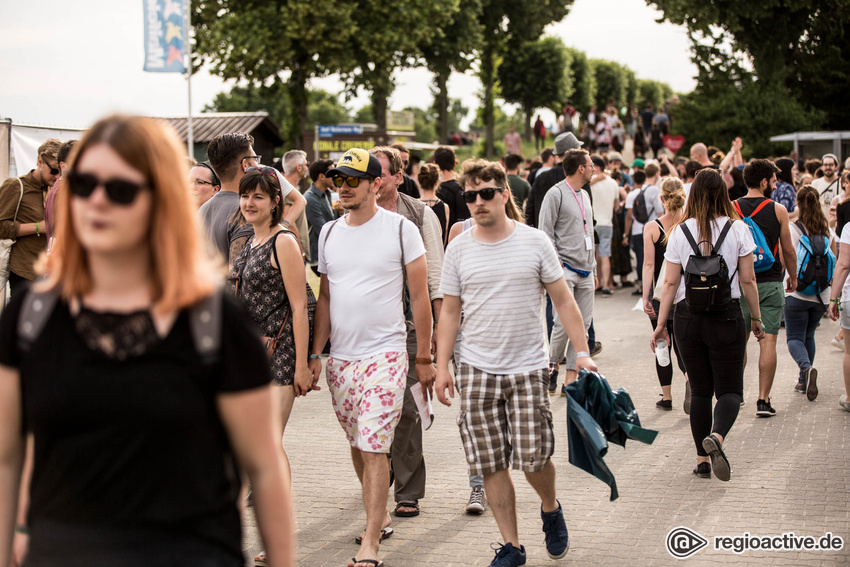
[{"x": 260, "y": 287}]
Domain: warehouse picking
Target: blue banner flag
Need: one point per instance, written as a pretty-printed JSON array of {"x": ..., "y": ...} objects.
[{"x": 165, "y": 36}]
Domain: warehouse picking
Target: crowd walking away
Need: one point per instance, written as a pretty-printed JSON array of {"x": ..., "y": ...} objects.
[{"x": 376, "y": 279}]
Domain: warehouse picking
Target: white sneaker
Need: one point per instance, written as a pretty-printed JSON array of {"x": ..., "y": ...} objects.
[
  {"x": 837, "y": 343},
  {"x": 476, "y": 501},
  {"x": 844, "y": 403}
]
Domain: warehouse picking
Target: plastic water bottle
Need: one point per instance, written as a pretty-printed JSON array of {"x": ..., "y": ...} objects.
[{"x": 661, "y": 353}]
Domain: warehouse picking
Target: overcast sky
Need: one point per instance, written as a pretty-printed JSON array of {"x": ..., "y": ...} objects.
[{"x": 65, "y": 64}]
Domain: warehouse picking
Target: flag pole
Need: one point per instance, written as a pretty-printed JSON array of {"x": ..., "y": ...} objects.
[{"x": 190, "y": 142}]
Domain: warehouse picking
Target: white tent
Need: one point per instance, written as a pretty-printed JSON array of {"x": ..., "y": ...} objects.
[{"x": 19, "y": 145}]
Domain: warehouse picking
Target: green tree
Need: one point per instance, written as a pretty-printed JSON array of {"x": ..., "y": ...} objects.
[
  {"x": 612, "y": 82},
  {"x": 584, "y": 80},
  {"x": 323, "y": 108},
  {"x": 453, "y": 50},
  {"x": 500, "y": 21},
  {"x": 276, "y": 41},
  {"x": 388, "y": 36},
  {"x": 654, "y": 92},
  {"x": 536, "y": 74}
]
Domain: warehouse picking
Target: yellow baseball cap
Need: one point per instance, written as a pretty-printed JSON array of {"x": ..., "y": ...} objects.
[{"x": 356, "y": 163}]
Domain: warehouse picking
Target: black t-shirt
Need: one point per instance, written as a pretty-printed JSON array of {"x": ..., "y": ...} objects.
[
  {"x": 132, "y": 451},
  {"x": 451, "y": 193},
  {"x": 542, "y": 183},
  {"x": 769, "y": 225},
  {"x": 408, "y": 187},
  {"x": 842, "y": 217}
]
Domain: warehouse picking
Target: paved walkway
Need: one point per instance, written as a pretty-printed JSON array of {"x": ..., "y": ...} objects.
[{"x": 789, "y": 474}]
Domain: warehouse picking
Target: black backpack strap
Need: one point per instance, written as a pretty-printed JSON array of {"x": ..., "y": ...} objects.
[
  {"x": 691, "y": 240},
  {"x": 36, "y": 310},
  {"x": 205, "y": 324},
  {"x": 722, "y": 236}
]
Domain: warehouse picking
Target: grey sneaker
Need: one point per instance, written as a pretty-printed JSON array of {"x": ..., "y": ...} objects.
[
  {"x": 476, "y": 501},
  {"x": 844, "y": 403}
]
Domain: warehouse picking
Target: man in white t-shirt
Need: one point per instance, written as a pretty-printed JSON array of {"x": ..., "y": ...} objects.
[
  {"x": 605, "y": 193},
  {"x": 828, "y": 185},
  {"x": 364, "y": 258},
  {"x": 497, "y": 272},
  {"x": 633, "y": 233}
]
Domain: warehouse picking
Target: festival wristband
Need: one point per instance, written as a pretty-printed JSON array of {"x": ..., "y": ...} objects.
[
  {"x": 312, "y": 356},
  {"x": 835, "y": 300},
  {"x": 755, "y": 319},
  {"x": 422, "y": 360},
  {"x": 583, "y": 354},
  {"x": 285, "y": 223},
  {"x": 21, "y": 529},
  {"x": 36, "y": 230}
]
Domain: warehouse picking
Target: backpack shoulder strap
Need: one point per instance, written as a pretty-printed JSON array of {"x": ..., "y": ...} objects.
[
  {"x": 738, "y": 208},
  {"x": 722, "y": 236},
  {"x": 36, "y": 310},
  {"x": 760, "y": 207},
  {"x": 205, "y": 323},
  {"x": 802, "y": 228},
  {"x": 687, "y": 232}
]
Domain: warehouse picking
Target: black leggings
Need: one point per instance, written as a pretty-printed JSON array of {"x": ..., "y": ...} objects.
[
  {"x": 712, "y": 346},
  {"x": 665, "y": 373}
]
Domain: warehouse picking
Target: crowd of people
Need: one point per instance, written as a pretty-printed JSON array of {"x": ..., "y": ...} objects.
[{"x": 169, "y": 390}]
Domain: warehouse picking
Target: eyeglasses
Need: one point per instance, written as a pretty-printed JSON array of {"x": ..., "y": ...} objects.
[
  {"x": 258, "y": 158},
  {"x": 53, "y": 170},
  {"x": 486, "y": 193},
  {"x": 119, "y": 191},
  {"x": 352, "y": 182},
  {"x": 201, "y": 182}
]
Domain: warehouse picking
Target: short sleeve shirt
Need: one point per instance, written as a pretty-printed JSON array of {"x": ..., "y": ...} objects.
[
  {"x": 737, "y": 244},
  {"x": 501, "y": 287},
  {"x": 364, "y": 269}
]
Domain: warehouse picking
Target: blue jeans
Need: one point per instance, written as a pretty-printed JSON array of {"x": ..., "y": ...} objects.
[{"x": 801, "y": 320}]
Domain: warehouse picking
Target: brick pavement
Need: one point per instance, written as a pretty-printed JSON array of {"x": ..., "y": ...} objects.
[{"x": 789, "y": 473}]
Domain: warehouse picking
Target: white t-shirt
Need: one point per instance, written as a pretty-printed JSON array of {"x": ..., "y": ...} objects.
[
  {"x": 653, "y": 205},
  {"x": 826, "y": 196},
  {"x": 795, "y": 240},
  {"x": 737, "y": 244},
  {"x": 500, "y": 286},
  {"x": 363, "y": 265},
  {"x": 604, "y": 193}
]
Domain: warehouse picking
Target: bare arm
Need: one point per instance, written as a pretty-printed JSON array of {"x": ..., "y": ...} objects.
[
  {"x": 321, "y": 327},
  {"x": 651, "y": 233},
  {"x": 838, "y": 279},
  {"x": 417, "y": 284},
  {"x": 252, "y": 422},
  {"x": 570, "y": 315},
  {"x": 295, "y": 284},
  {"x": 11, "y": 455},
  {"x": 672, "y": 277},
  {"x": 236, "y": 247},
  {"x": 298, "y": 203},
  {"x": 747, "y": 279},
  {"x": 789, "y": 255},
  {"x": 455, "y": 230},
  {"x": 446, "y": 337},
  {"x": 627, "y": 231}
]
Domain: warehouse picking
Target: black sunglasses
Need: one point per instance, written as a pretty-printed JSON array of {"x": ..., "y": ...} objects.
[
  {"x": 119, "y": 191},
  {"x": 486, "y": 193},
  {"x": 53, "y": 170},
  {"x": 352, "y": 182}
]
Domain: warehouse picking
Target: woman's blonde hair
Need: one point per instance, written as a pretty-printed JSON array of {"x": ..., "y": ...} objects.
[
  {"x": 182, "y": 273},
  {"x": 673, "y": 193}
]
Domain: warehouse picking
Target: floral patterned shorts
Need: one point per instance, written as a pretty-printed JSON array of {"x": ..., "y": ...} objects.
[{"x": 367, "y": 397}]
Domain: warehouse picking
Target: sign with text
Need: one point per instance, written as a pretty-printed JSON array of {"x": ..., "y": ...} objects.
[
  {"x": 328, "y": 131},
  {"x": 400, "y": 120},
  {"x": 165, "y": 36}
]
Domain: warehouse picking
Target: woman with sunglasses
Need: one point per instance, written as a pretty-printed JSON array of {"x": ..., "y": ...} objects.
[
  {"x": 22, "y": 216},
  {"x": 140, "y": 440}
]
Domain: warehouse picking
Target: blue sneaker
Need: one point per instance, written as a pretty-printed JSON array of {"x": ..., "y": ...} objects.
[
  {"x": 507, "y": 555},
  {"x": 557, "y": 537}
]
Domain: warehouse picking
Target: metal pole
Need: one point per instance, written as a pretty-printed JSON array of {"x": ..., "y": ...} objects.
[
  {"x": 188, "y": 18},
  {"x": 316, "y": 142}
]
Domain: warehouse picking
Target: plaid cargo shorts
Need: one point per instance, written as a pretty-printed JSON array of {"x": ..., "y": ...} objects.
[{"x": 504, "y": 418}]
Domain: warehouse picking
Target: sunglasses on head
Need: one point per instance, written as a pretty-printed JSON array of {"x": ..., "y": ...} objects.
[
  {"x": 119, "y": 191},
  {"x": 53, "y": 170},
  {"x": 486, "y": 193},
  {"x": 350, "y": 181}
]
